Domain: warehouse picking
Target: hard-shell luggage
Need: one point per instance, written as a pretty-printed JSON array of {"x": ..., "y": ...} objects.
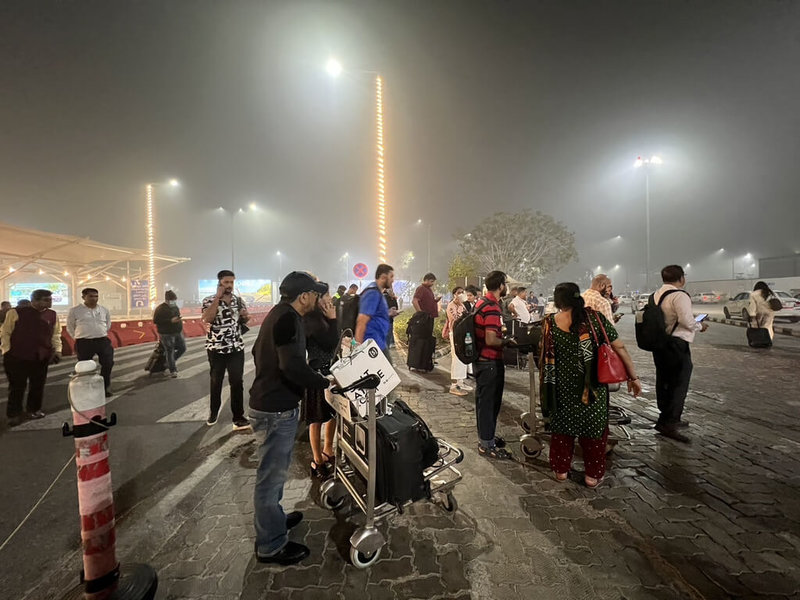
[
  {"x": 420, "y": 352},
  {"x": 157, "y": 363}
]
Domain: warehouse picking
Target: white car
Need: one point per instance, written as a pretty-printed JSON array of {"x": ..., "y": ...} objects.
[
  {"x": 640, "y": 302},
  {"x": 739, "y": 306},
  {"x": 550, "y": 306},
  {"x": 706, "y": 298}
]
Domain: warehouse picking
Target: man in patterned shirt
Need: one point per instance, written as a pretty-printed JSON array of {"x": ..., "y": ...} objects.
[
  {"x": 595, "y": 297},
  {"x": 226, "y": 313}
]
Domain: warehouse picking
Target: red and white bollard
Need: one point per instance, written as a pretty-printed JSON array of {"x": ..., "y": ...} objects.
[{"x": 101, "y": 578}]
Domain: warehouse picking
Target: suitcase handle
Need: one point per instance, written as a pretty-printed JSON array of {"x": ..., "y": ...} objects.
[{"x": 368, "y": 382}]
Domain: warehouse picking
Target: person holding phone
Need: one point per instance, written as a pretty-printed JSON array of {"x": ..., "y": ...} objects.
[
  {"x": 169, "y": 323},
  {"x": 225, "y": 312}
]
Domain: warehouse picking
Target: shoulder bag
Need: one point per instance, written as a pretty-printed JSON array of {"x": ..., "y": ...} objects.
[{"x": 610, "y": 368}]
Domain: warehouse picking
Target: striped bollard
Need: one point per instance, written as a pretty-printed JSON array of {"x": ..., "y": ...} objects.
[{"x": 101, "y": 578}]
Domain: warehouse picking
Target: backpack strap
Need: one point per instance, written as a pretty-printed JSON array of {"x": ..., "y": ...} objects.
[{"x": 664, "y": 295}]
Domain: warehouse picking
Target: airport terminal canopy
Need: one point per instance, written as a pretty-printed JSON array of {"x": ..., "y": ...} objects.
[{"x": 73, "y": 260}]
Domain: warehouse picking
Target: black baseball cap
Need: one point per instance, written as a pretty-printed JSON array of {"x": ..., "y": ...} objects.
[{"x": 297, "y": 282}]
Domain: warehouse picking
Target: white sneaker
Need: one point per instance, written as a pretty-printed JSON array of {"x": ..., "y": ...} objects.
[
  {"x": 464, "y": 386},
  {"x": 457, "y": 391}
]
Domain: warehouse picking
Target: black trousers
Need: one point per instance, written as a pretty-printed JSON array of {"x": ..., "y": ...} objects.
[
  {"x": 673, "y": 372},
  {"x": 86, "y": 348},
  {"x": 233, "y": 363},
  {"x": 22, "y": 374},
  {"x": 490, "y": 379}
]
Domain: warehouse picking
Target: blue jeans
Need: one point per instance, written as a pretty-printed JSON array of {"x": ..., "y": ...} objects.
[
  {"x": 174, "y": 347},
  {"x": 274, "y": 433}
]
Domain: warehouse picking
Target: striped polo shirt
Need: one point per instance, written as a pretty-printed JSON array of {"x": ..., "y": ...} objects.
[{"x": 489, "y": 317}]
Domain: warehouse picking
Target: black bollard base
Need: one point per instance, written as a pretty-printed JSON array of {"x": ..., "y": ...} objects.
[{"x": 136, "y": 582}]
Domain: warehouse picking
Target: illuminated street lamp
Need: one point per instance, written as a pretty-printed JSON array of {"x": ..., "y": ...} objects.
[
  {"x": 151, "y": 242},
  {"x": 335, "y": 69},
  {"x": 646, "y": 162}
]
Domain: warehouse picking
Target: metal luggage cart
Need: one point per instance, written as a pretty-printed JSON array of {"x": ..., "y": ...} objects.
[
  {"x": 352, "y": 472},
  {"x": 534, "y": 426}
]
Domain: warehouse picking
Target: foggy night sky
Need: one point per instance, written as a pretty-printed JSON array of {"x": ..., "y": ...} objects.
[{"x": 491, "y": 105}]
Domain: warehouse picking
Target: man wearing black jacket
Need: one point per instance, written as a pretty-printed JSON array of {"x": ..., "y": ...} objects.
[
  {"x": 169, "y": 323},
  {"x": 282, "y": 376}
]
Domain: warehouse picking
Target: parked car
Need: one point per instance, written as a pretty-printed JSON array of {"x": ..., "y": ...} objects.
[
  {"x": 640, "y": 302},
  {"x": 739, "y": 306},
  {"x": 706, "y": 298},
  {"x": 550, "y": 306}
]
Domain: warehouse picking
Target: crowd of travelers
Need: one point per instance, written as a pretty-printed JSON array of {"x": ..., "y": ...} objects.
[{"x": 301, "y": 334}]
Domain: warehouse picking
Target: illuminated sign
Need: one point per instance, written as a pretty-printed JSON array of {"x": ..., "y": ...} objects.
[
  {"x": 22, "y": 291},
  {"x": 251, "y": 290}
]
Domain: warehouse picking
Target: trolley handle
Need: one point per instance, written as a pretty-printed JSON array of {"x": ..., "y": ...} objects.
[{"x": 368, "y": 382}]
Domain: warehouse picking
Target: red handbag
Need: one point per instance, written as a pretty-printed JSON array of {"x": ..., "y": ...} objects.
[{"x": 610, "y": 368}]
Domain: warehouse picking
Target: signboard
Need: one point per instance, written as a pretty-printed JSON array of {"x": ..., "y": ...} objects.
[
  {"x": 360, "y": 270},
  {"x": 22, "y": 291},
  {"x": 252, "y": 291},
  {"x": 366, "y": 359},
  {"x": 140, "y": 293}
]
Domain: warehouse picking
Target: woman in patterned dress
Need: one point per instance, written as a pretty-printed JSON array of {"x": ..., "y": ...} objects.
[{"x": 575, "y": 404}]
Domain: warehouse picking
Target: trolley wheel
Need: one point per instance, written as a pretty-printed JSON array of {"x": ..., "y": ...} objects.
[
  {"x": 610, "y": 445},
  {"x": 528, "y": 423},
  {"x": 361, "y": 560},
  {"x": 531, "y": 447},
  {"x": 333, "y": 496},
  {"x": 447, "y": 501}
]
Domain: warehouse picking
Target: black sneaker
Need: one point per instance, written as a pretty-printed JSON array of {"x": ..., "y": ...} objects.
[
  {"x": 212, "y": 420},
  {"x": 241, "y": 424},
  {"x": 14, "y": 421},
  {"x": 290, "y": 554},
  {"x": 293, "y": 519}
]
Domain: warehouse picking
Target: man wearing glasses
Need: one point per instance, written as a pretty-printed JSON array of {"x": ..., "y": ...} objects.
[{"x": 282, "y": 376}]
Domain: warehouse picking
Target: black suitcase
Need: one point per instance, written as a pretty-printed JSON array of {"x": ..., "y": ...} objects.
[
  {"x": 401, "y": 455},
  {"x": 157, "y": 363},
  {"x": 758, "y": 337},
  {"x": 420, "y": 352}
]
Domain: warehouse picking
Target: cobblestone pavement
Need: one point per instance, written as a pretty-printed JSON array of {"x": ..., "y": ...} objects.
[{"x": 714, "y": 519}]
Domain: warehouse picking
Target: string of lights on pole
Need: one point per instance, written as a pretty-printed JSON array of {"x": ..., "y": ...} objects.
[{"x": 382, "y": 243}]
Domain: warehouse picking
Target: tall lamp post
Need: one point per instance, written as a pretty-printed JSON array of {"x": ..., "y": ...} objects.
[
  {"x": 232, "y": 214},
  {"x": 646, "y": 163},
  {"x": 150, "y": 229},
  {"x": 280, "y": 265},
  {"x": 335, "y": 69}
]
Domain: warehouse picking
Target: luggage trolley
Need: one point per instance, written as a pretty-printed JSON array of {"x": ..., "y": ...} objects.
[
  {"x": 533, "y": 423},
  {"x": 351, "y": 471}
]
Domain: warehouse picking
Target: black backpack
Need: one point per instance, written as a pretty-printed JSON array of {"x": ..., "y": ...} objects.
[
  {"x": 464, "y": 340},
  {"x": 651, "y": 327},
  {"x": 350, "y": 308}
]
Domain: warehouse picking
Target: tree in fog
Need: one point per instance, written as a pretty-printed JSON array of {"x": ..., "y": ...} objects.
[{"x": 526, "y": 245}]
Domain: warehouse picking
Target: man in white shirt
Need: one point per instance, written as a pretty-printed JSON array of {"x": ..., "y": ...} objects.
[
  {"x": 519, "y": 306},
  {"x": 674, "y": 361},
  {"x": 88, "y": 324},
  {"x": 595, "y": 296}
]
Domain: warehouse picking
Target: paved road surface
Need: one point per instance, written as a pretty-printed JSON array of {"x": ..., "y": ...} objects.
[{"x": 719, "y": 518}]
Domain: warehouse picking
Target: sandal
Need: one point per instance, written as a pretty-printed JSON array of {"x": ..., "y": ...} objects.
[
  {"x": 329, "y": 458},
  {"x": 494, "y": 452},
  {"x": 591, "y": 482},
  {"x": 320, "y": 471},
  {"x": 561, "y": 476}
]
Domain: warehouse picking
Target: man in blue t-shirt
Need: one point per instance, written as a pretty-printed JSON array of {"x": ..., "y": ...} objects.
[{"x": 373, "y": 313}]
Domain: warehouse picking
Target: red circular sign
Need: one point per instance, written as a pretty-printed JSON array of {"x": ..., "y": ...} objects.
[{"x": 360, "y": 270}]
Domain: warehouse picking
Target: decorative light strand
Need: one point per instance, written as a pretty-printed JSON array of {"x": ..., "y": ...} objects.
[
  {"x": 382, "y": 241},
  {"x": 151, "y": 261}
]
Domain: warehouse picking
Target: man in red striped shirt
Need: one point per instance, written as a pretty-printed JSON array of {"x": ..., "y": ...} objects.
[{"x": 490, "y": 369}]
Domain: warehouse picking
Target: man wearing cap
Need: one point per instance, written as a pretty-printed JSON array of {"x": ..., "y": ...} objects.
[
  {"x": 30, "y": 339},
  {"x": 282, "y": 376}
]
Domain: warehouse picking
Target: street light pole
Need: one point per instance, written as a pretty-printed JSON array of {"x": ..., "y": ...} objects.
[{"x": 646, "y": 162}]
